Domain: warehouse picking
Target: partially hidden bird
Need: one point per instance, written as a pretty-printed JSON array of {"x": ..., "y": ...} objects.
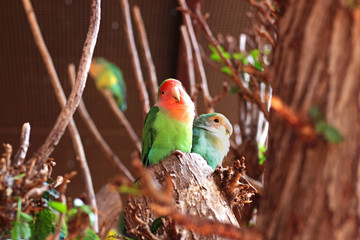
[
  {"x": 168, "y": 124},
  {"x": 108, "y": 76},
  {"x": 211, "y": 137}
]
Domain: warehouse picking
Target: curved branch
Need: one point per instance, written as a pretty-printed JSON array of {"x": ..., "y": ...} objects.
[{"x": 66, "y": 114}]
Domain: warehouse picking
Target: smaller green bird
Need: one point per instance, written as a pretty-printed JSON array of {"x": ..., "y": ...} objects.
[
  {"x": 108, "y": 76},
  {"x": 211, "y": 137}
]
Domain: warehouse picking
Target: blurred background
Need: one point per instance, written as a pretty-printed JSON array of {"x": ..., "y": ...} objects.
[{"x": 26, "y": 94}]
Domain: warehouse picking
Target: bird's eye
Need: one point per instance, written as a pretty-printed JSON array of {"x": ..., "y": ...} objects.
[
  {"x": 216, "y": 120},
  {"x": 162, "y": 92}
]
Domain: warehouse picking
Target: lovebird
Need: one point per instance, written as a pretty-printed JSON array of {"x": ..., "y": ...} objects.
[
  {"x": 108, "y": 76},
  {"x": 211, "y": 137},
  {"x": 168, "y": 124}
]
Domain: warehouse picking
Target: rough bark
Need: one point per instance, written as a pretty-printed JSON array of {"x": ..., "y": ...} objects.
[
  {"x": 195, "y": 194},
  {"x": 312, "y": 190}
]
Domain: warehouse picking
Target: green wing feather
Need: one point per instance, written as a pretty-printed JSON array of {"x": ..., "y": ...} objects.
[{"x": 149, "y": 134}]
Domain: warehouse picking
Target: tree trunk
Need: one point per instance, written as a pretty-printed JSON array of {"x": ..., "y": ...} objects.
[
  {"x": 196, "y": 193},
  {"x": 312, "y": 191}
]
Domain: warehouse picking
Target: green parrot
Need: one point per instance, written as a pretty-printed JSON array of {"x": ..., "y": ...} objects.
[
  {"x": 211, "y": 137},
  {"x": 168, "y": 124},
  {"x": 108, "y": 76}
]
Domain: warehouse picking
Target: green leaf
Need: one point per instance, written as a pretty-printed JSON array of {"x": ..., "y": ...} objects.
[
  {"x": 91, "y": 235},
  {"x": 17, "y": 177},
  {"x": 20, "y": 230},
  {"x": 58, "y": 206},
  {"x": 234, "y": 89},
  {"x": 43, "y": 225},
  {"x": 226, "y": 70},
  {"x": 255, "y": 54},
  {"x": 215, "y": 55},
  {"x": 72, "y": 212},
  {"x": 314, "y": 112},
  {"x": 25, "y": 217},
  {"x": 157, "y": 223},
  {"x": 258, "y": 66},
  {"x": 245, "y": 61},
  {"x": 328, "y": 132},
  {"x": 261, "y": 154},
  {"x": 134, "y": 189},
  {"x": 238, "y": 56}
]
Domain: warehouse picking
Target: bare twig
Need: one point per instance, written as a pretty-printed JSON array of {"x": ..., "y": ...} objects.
[
  {"x": 222, "y": 94},
  {"x": 24, "y": 145},
  {"x": 68, "y": 107},
  {"x": 114, "y": 159},
  {"x": 199, "y": 63},
  {"x": 134, "y": 57},
  {"x": 122, "y": 119},
  {"x": 64, "y": 118},
  {"x": 189, "y": 61},
  {"x": 291, "y": 118},
  {"x": 145, "y": 46}
]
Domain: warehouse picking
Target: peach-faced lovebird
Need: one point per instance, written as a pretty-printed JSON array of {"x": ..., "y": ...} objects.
[
  {"x": 108, "y": 76},
  {"x": 168, "y": 125},
  {"x": 211, "y": 133}
]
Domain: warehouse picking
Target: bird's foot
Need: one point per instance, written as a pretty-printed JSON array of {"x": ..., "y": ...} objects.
[{"x": 178, "y": 154}]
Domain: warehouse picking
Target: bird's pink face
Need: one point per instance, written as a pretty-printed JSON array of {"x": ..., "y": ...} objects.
[
  {"x": 173, "y": 97},
  {"x": 171, "y": 93}
]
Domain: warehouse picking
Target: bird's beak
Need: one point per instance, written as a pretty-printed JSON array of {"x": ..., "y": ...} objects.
[
  {"x": 175, "y": 92},
  {"x": 228, "y": 129}
]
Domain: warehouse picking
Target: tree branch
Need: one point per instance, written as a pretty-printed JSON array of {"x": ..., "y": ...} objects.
[
  {"x": 24, "y": 145},
  {"x": 254, "y": 96},
  {"x": 199, "y": 63},
  {"x": 145, "y": 46},
  {"x": 68, "y": 107},
  {"x": 190, "y": 61},
  {"x": 66, "y": 114},
  {"x": 134, "y": 57},
  {"x": 114, "y": 159},
  {"x": 122, "y": 119}
]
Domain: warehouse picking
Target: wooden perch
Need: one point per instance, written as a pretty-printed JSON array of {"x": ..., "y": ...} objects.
[{"x": 197, "y": 210}]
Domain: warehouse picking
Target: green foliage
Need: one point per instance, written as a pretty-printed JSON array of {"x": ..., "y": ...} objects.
[
  {"x": 215, "y": 55},
  {"x": 226, "y": 70},
  {"x": 156, "y": 224},
  {"x": 134, "y": 189},
  {"x": 237, "y": 56},
  {"x": 261, "y": 154},
  {"x": 43, "y": 225},
  {"x": 21, "y": 228},
  {"x": 58, "y": 206},
  {"x": 17, "y": 177},
  {"x": 91, "y": 235},
  {"x": 327, "y": 131}
]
